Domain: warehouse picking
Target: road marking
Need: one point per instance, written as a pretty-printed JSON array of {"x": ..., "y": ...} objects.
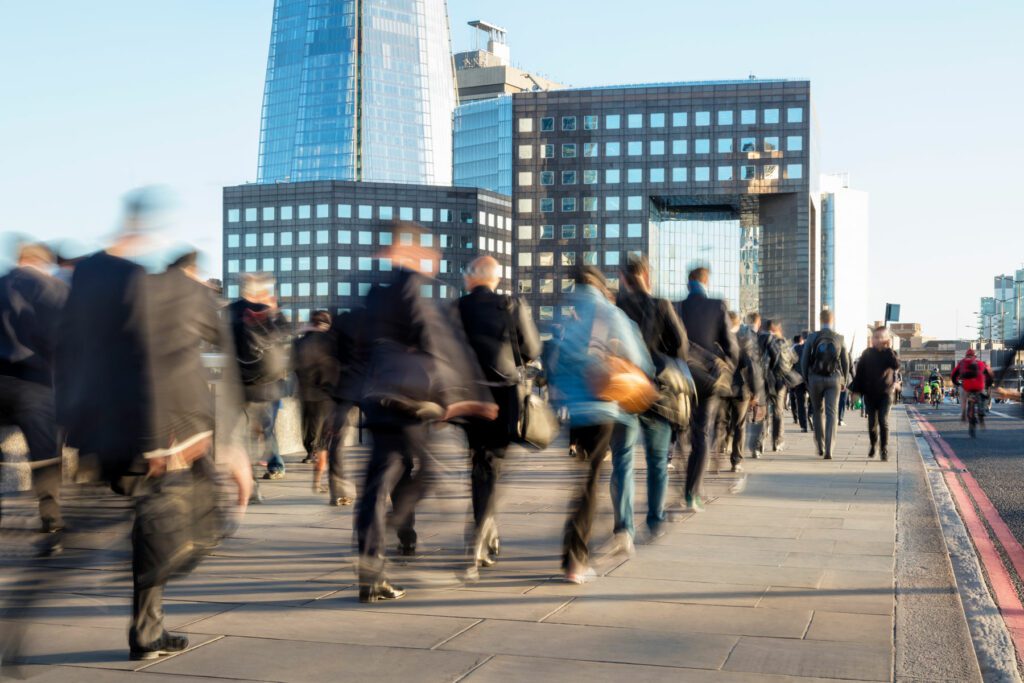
[{"x": 1005, "y": 592}]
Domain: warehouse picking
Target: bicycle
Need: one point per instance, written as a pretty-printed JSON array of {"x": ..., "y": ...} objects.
[
  {"x": 975, "y": 412},
  {"x": 936, "y": 399}
]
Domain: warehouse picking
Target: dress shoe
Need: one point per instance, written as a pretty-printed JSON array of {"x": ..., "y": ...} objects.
[
  {"x": 885, "y": 456},
  {"x": 381, "y": 590},
  {"x": 341, "y": 501},
  {"x": 407, "y": 549},
  {"x": 871, "y": 452},
  {"x": 167, "y": 645}
]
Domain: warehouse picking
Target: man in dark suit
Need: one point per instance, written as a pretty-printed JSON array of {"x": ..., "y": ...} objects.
[
  {"x": 798, "y": 394},
  {"x": 348, "y": 332},
  {"x": 825, "y": 364},
  {"x": 420, "y": 370},
  {"x": 493, "y": 323},
  {"x": 707, "y": 327},
  {"x": 316, "y": 372},
  {"x": 748, "y": 388},
  {"x": 31, "y": 300}
]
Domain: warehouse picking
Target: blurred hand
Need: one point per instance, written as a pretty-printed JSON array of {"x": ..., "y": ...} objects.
[
  {"x": 157, "y": 466},
  {"x": 240, "y": 472},
  {"x": 487, "y": 411},
  {"x": 1007, "y": 393}
]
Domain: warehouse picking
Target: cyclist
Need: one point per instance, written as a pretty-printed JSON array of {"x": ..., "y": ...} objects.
[
  {"x": 926, "y": 392},
  {"x": 973, "y": 376},
  {"x": 936, "y": 381}
]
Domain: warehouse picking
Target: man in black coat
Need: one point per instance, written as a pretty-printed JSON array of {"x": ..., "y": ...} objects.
[
  {"x": 748, "y": 388},
  {"x": 798, "y": 394},
  {"x": 494, "y": 324},
  {"x": 777, "y": 363},
  {"x": 707, "y": 327},
  {"x": 31, "y": 300},
  {"x": 316, "y": 372},
  {"x": 348, "y": 332}
]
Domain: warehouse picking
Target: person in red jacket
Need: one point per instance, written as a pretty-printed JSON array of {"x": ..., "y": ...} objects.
[{"x": 972, "y": 375}]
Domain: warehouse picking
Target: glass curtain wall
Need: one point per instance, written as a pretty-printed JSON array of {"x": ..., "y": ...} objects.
[
  {"x": 483, "y": 145},
  {"x": 709, "y": 238}
]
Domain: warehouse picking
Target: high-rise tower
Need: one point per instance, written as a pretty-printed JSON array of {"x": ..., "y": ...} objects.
[{"x": 358, "y": 90}]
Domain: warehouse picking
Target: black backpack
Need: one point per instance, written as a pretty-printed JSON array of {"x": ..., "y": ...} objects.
[
  {"x": 971, "y": 370},
  {"x": 264, "y": 355},
  {"x": 825, "y": 359}
]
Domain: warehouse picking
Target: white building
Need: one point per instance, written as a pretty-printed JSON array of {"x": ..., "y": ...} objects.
[{"x": 844, "y": 258}]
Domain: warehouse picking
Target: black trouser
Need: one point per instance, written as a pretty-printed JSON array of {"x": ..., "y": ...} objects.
[
  {"x": 798, "y": 404},
  {"x": 702, "y": 426},
  {"x": 315, "y": 430},
  {"x": 488, "y": 441},
  {"x": 736, "y": 411},
  {"x": 30, "y": 407},
  {"x": 397, "y": 451},
  {"x": 343, "y": 418},
  {"x": 773, "y": 420},
  {"x": 878, "y": 419},
  {"x": 592, "y": 443}
]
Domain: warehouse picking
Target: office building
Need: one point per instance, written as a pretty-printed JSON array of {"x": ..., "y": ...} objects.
[
  {"x": 720, "y": 173},
  {"x": 358, "y": 90},
  {"x": 320, "y": 239},
  {"x": 1000, "y": 314},
  {"x": 844, "y": 259},
  {"x": 483, "y": 73}
]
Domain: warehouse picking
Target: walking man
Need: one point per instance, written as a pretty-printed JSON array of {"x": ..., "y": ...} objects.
[
  {"x": 748, "y": 391},
  {"x": 825, "y": 365},
  {"x": 316, "y": 372},
  {"x": 798, "y": 394},
  {"x": 778, "y": 364}
]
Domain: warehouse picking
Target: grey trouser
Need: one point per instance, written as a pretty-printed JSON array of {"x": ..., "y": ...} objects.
[{"x": 824, "y": 395}]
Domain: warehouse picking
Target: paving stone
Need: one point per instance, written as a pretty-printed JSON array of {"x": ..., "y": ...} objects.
[
  {"x": 654, "y": 590},
  {"x": 456, "y": 603},
  {"x": 864, "y": 628},
  {"x": 799, "y": 577},
  {"x": 853, "y": 600},
  {"x": 812, "y": 658}
]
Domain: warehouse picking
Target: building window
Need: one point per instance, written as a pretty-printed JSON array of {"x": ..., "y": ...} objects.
[
  {"x": 232, "y": 241},
  {"x": 547, "y": 205},
  {"x": 589, "y": 123},
  {"x": 268, "y": 239},
  {"x": 405, "y": 213},
  {"x": 590, "y": 258},
  {"x": 590, "y": 203},
  {"x": 525, "y": 125},
  {"x": 657, "y": 120},
  {"x": 612, "y": 149},
  {"x": 679, "y": 119},
  {"x": 702, "y": 146},
  {"x": 526, "y": 232},
  {"x": 568, "y": 258},
  {"x": 384, "y": 265},
  {"x": 568, "y": 204},
  {"x": 771, "y": 172},
  {"x": 679, "y": 174},
  {"x": 426, "y": 214},
  {"x": 323, "y": 236},
  {"x": 525, "y": 151},
  {"x": 285, "y": 264},
  {"x": 344, "y": 263},
  {"x": 526, "y": 287},
  {"x": 322, "y": 211},
  {"x": 568, "y": 123},
  {"x": 547, "y": 312},
  {"x": 286, "y": 239},
  {"x": 795, "y": 115},
  {"x": 794, "y": 143},
  {"x": 268, "y": 213},
  {"x": 250, "y": 265},
  {"x": 525, "y": 205},
  {"x": 725, "y": 118},
  {"x": 547, "y": 124},
  {"x": 748, "y": 116},
  {"x": 748, "y": 172},
  {"x": 590, "y": 177},
  {"x": 702, "y": 118},
  {"x": 344, "y": 237},
  {"x": 635, "y": 148},
  {"x": 794, "y": 171},
  {"x": 547, "y": 177},
  {"x": 233, "y": 215},
  {"x": 285, "y": 289},
  {"x": 303, "y": 289},
  {"x": 304, "y": 263},
  {"x": 611, "y": 176},
  {"x": 748, "y": 144},
  {"x": 568, "y": 284},
  {"x": 590, "y": 231},
  {"x": 364, "y": 288},
  {"x": 525, "y": 259},
  {"x": 634, "y": 230},
  {"x": 304, "y": 211},
  {"x": 657, "y": 147},
  {"x": 634, "y": 203},
  {"x": 344, "y": 289},
  {"x": 547, "y": 151},
  {"x": 611, "y": 258},
  {"x": 569, "y": 151},
  {"x": 546, "y": 259},
  {"x": 365, "y": 263},
  {"x": 286, "y": 213},
  {"x": 568, "y": 232},
  {"x": 427, "y": 240},
  {"x": 446, "y": 215},
  {"x": 385, "y": 213},
  {"x": 547, "y": 232},
  {"x": 568, "y": 177},
  {"x": 365, "y": 237},
  {"x": 634, "y": 175},
  {"x": 771, "y": 143},
  {"x": 590, "y": 149},
  {"x": 250, "y": 239},
  {"x": 612, "y": 121},
  {"x": 322, "y": 262},
  {"x": 725, "y": 172},
  {"x": 611, "y": 231},
  {"x": 771, "y": 115},
  {"x": 611, "y": 203},
  {"x": 702, "y": 174},
  {"x": 233, "y": 265},
  {"x": 321, "y": 289},
  {"x": 657, "y": 175},
  {"x": 725, "y": 145},
  {"x": 679, "y": 147},
  {"x": 365, "y": 212},
  {"x": 250, "y": 215},
  {"x": 635, "y": 121}
]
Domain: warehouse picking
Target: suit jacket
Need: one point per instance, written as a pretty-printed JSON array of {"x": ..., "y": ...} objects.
[
  {"x": 30, "y": 306},
  {"x": 707, "y": 325},
  {"x": 350, "y": 336},
  {"x": 660, "y": 327},
  {"x": 485, "y": 317},
  {"x": 316, "y": 367},
  {"x": 843, "y": 371},
  {"x": 750, "y": 381}
]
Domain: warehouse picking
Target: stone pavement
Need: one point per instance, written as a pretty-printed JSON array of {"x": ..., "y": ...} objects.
[{"x": 790, "y": 575}]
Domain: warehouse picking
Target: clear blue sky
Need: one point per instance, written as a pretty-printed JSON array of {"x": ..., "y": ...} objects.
[{"x": 920, "y": 101}]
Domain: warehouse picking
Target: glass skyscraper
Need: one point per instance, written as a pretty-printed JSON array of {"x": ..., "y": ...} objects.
[
  {"x": 483, "y": 145},
  {"x": 358, "y": 90}
]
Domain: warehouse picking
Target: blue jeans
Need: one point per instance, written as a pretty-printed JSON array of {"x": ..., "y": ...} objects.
[
  {"x": 262, "y": 418},
  {"x": 657, "y": 435}
]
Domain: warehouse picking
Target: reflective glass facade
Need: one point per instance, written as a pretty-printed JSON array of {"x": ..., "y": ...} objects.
[
  {"x": 358, "y": 90},
  {"x": 711, "y": 239},
  {"x": 482, "y": 145}
]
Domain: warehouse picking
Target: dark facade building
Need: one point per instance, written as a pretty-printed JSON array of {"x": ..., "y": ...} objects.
[
  {"x": 320, "y": 239},
  {"x": 719, "y": 173}
]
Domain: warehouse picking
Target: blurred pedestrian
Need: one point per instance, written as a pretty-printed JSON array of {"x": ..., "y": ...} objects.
[
  {"x": 316, "y": 373},
  {"x": 420, "y": 370},
  {"x": 31, "y": 300},
  {"x": 798, "y": 394},
  {"x": 664, "y": 338},
  {"x": 599, "y": 331},
  {"x": 825, "y": 365},
  {"x": 349, "y": 334},
  {"x": 875, "y": 381},
  {"x": 501, "y": 332},
  {"x": 777, "y": 361},
  {"x": 747, "y": 391},
  {"x": 708, "y": 330}
]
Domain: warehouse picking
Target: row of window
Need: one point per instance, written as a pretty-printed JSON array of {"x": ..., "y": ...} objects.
[
  {"x": 547, "y": 259},
  {"x": 679, "y": 119},
  {"x": 635, "y": 148},
  {"x": 679, "y": 174},
  {"x": 286, "y": 264},
  {"x": 364, "y": 212},
  {"x": 589, "y": 232},
  {"x": 384, "y": 238},
  {"x": 287, "y": 290}
]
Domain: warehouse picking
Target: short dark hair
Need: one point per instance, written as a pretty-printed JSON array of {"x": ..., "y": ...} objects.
[
  {"x": 320, "y": 318},
  {"x": 636, "y": 267},
  {"x": 700, "y": 273},
  {"x": 797, "y": 338}
]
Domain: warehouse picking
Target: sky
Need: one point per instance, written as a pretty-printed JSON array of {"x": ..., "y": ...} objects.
[{"x": 920, "y": 101}]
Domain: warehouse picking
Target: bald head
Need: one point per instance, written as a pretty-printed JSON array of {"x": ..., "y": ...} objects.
[{"x": 483, "y": 272}]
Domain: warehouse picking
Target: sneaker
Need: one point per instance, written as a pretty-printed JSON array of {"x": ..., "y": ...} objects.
[
  {"x": 827, "y": 457},
  {"x": 341, "y": 501},
  {"x": 871, "y": 452},
  {"x": 694, "y": 504},
  {"x": 308, "y": 459},
  {"x": 382, "y": 590},
  {"x": 842, "y": 423},
  {"x": 273, "y": 475},
  {"x": 407, "y": 549},
  {"x": 671, "y": 466},
  {"x": 885, "y": 456},
  {"x": 167, "y": 645},
  {"x": 675, "y": 512},
  {"x": 622, "y": 544},
  {"x": 779, "y": 447},
  {"x": 579, "y": 574},
  {"x": 756, "y": 454},
  {"x": 737, "y": 467}
]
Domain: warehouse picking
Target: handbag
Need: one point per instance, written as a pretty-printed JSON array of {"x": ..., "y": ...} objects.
[
  {"x": 532, "y": 422},
  {"x": 614, "y": 379},
  {"x": 676, "y": 392},
  {"x": 712, "y": 374}
]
